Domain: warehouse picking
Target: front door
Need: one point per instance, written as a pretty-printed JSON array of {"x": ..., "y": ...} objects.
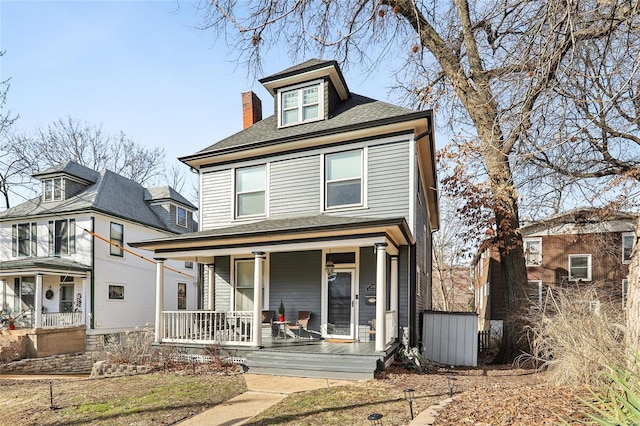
[{"x": 341, "y": 304}]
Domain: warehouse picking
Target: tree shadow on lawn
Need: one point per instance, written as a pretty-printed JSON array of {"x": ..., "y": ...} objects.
[{"x": 127, "y": 417}]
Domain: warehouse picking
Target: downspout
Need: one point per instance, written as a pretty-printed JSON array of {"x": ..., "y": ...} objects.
[
  {"x": 413, "y": 300},
  {"x": 93, "y": 262}
]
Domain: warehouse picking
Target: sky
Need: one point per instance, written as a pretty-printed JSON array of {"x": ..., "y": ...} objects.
[{"x": 141, "y": 67}]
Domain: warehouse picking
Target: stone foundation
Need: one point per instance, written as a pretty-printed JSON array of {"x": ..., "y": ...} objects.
[
  {"x": 106, "y": 369},
  {"x": 59, "y": 364}
]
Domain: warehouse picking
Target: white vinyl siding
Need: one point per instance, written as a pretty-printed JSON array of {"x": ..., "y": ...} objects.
[{"x": 293, "y": 186}]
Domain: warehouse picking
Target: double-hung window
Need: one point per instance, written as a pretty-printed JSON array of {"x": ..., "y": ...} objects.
[
  {"x": 580, "y": 267},
  {"x": 533, "y": 251},
  {"x": 250, "y": 191},
  {"x": 244, "y": 284},
  {"x": 343, "y": 179},
  {"x": 117, "y": 239},
  {"x": 62, "y": 237},
  {"x": 25, "y": 239},
  {"x": 628, "y": 238},
  {"x": 300, "y": 104},
  {"x": 181, "y": 216},
  {"x": 53, "y": 189}
]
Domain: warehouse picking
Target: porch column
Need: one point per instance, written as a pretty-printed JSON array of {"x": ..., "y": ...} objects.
[
  {"x": 159, "y": 298},
  {"x": 393, "y": 293},
  {"x": 38, "y": 297},
  {"x": 257, "y": 298},
  {"x": 381, "y": 291},
  {"x": 85, "y": 302},
  {"x": 211, "y": 287}
]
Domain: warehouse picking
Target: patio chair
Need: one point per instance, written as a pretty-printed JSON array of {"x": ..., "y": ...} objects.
[
  {"x": 302, "y": 323},
  {"x": 267, "y": 320}
]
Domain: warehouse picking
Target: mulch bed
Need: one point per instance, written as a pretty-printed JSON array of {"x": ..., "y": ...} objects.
[{"x": 496, "y": 395}]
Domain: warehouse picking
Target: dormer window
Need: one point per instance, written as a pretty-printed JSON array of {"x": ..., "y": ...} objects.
[
  {"x": 181, "y": 216},
  {"x": 53, "y": 189},
  {"x": 300, "y": 104}
]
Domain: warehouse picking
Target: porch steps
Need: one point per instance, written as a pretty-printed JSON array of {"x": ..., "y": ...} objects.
[{"x": 298, "y": 364}]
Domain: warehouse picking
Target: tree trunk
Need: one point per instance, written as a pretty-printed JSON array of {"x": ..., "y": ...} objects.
[
  {"x": 632, "y": 335},
  {"x": 512, "y": 265}
]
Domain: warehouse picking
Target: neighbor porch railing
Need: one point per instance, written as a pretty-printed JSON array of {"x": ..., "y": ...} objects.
[
  {"x": 391, "y": 327},
  {"x": 212, "y": 327},
  {"x": 61, "y": 319}
]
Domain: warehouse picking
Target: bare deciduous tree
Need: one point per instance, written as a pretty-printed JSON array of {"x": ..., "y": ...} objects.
[
  {"x": 87, "y": 144},
  {"x": 450, "y": 269},
  {"x": 493, "y": 62},
  {"x": 12, "y": 166}
]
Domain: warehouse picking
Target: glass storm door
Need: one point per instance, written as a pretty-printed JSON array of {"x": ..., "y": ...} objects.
[{"x": 340, "y": 304}]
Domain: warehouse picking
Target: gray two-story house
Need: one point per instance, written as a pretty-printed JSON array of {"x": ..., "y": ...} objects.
[{"x": 326, "y": 207}]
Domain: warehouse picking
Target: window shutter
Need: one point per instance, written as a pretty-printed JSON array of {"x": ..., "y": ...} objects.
[
  {"x": 34, "y": 239},
  {"x": 72, "y": 236},
  {"x": 51, "y": 234},
  {"x": 14, "y": 240}
]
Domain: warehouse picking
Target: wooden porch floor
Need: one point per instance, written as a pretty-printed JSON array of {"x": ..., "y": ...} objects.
[{"x": 319, "y": 346}]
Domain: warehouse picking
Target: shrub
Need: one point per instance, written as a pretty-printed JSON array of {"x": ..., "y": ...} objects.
[
  {"x": 576, "y": 338},
  {"x": 130, "y": 347}
]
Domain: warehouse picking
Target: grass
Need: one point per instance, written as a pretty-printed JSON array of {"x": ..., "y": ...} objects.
[
  {"x": 153, "y": 399},
  {"x": 344, "y": 405}
]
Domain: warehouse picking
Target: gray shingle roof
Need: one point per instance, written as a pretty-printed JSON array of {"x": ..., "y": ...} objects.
[
  {"x": 160, "y": 193},
  {"x": 311, "y": 64},
  {"x": 70, "y": 168},
  {"x": 286, "y": 226},
  {"x": 54, "y": 263},
  {"x": 355, "y": 111},
  {"x": 110, "y": 194}
]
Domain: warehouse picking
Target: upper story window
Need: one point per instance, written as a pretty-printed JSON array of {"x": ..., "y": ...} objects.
[
  {"x": 117, "y": 237},
  {"x": 343, "y": 179},
  {"x": 300, "y": 104},
  {"x": 62, "y": 237},
  {"x": 251, "y": 183},
  {"x": 628, "y": 239},
  {"x": 53, "y": 189},
  {"x": 181, "y": 216},
  {"x": 580, "y": 267},
  {"x": 533, "y": 251},
  {"x": 24, "y": 239}
]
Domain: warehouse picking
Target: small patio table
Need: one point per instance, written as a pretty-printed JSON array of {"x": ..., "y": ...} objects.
[{"x": 282, "y": 329}]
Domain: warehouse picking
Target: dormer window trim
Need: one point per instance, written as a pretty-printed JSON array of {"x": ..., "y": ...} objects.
[
  {"x": 301, "y": 105},
  {"x": 53, "y": 189}
]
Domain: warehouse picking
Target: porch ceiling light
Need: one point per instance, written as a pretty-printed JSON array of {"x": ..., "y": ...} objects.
[{"x": 329, "y": 267}]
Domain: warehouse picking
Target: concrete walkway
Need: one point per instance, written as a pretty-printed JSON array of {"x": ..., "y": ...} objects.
[{"x": 263, "y": 392}]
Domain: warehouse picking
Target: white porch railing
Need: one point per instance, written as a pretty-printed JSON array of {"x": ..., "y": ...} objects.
[
  {"x": 212, "y": 327},
  {"x": 391, "y": 327},
  {"x": 61, "y": 319}
]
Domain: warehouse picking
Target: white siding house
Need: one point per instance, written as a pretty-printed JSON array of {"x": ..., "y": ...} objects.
[{"x": 65, "y": 259}]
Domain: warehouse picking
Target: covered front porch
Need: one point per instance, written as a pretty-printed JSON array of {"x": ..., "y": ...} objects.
[
  {"x": 350, "y": 274},
  {"x": 44, "y": 293}
]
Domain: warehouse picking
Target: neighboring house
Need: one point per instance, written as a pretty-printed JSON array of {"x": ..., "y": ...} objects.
[
  {"x": 582, "y": 247},
  {"x": 65, "y": 264},
  {"x": 328, "y": 206}
]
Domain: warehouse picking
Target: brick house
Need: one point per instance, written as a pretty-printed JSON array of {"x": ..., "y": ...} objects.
[{"x": 583, "y": 247}]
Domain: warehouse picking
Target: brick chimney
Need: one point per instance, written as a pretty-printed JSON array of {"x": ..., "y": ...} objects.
[{"x": 251, "y": 109}]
